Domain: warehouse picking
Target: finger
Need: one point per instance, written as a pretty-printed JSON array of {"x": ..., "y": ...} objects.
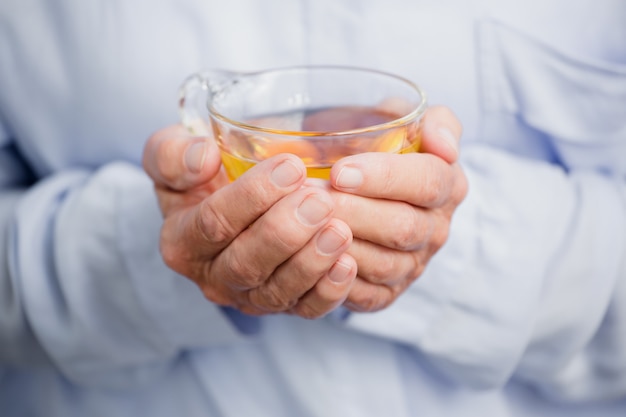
[
  {"x": 330, "y": 291},
  {"x": 205, "y": 229},
  {"x": 367, "y": 297},
  {"x": 378, "y": 285},
  {"x": 393, "y": 224},
  {"x": 419, "y": 179},
  {"x": 441, "y": 132},
  {"x": 234, "y": 208},
  {"x": 303, "y": 270},
  {"x": 385, "y": 266},
  {"x": 276, "y": 236},
  {"x": 175, "y": 160}
]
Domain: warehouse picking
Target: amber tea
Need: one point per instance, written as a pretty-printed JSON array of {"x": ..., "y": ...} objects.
[
  {"x": 319, "y": 113},
  {"x": 311, "y": 136}
]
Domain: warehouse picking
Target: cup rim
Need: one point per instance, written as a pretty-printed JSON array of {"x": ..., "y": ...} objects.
[{"x": 414, "y": 114}]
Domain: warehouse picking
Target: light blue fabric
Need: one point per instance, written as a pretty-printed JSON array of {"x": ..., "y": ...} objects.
[{"x": 522, "y": 313}]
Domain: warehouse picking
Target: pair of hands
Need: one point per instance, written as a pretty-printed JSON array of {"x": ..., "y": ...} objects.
[{"x": 274, "y": 241}]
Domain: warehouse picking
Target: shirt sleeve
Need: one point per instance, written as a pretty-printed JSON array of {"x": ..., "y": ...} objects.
[
  {"x": 18, "y": 344},
  {"x": 83, "y": 284},
  {"x": 530, "y": 284}
]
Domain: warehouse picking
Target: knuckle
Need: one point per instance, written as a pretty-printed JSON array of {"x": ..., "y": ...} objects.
[
  {"x": 406, "y": 228},
  {"x": 271, "y": 298},
  {"x": 255, "y": 191},
  {"x": 384, "y": 269},
  {"x": 213, "y": 226},
  {"x": 276, "y": 232},
  {"x": 434, "y": 189},
  {"x": 243, "y": 274},
  {"x": 249, "y": 190},
  {"x": 372, "y": 302},
  {"x": 307, "y": 311}
]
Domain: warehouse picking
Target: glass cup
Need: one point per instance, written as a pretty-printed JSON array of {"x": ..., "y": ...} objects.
[{"x": 319, "y": 113}]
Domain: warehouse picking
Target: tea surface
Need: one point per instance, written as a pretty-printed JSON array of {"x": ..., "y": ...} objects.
[{"x": 312, "y": 136}]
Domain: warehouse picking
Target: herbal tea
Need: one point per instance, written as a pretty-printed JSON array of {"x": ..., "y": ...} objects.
[{"x": 312, "y": 136}]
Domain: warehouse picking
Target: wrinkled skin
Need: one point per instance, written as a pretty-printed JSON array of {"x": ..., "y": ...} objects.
[{"x": 274, "y": 241}]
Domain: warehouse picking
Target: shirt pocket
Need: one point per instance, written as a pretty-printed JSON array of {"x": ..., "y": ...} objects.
[{"x": 570, "y": 107}]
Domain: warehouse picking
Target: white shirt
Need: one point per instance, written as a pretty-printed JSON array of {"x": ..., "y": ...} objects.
[{"x": 522, "y": 313}]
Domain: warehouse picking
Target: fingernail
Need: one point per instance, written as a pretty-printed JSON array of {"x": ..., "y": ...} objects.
[
  {"x": 330, "y": 240},
  {"x": 286, "y": 174},
  {"x": 195, "y": 156},
  {"x": 313, "y": 210},
  {"x": 349, "y": 178},
  {"x": 448, "y": 137},
  {"x": 340, "y": 272}
]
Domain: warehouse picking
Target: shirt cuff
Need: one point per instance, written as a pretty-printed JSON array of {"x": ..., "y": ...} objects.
[{"x": 177, "y": 305}]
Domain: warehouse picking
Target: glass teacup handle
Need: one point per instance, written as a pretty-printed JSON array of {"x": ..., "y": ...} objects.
[{"x": 195, "y": 95}]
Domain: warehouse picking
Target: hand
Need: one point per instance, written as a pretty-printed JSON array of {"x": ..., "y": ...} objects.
[
  {"x": 265, "y": 243},
  {"x": 399, "y": 209}
]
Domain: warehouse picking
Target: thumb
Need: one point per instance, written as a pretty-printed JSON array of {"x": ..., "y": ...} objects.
[
  {"x": 178, "y": 161},
  {"x": 441, "y": 132}
]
